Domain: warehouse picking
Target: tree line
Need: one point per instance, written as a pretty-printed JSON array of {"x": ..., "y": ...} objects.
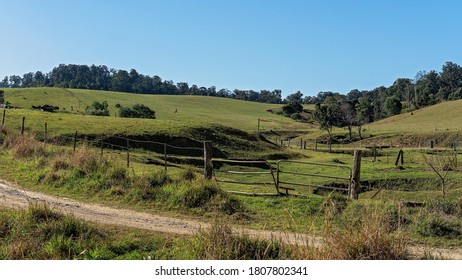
[
  {"x": 426, "y": 89},
  {"x": 357, "y": 108},
  {"x": 102, "y": 78}
]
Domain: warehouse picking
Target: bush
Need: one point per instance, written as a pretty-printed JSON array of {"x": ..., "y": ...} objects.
[
  {"x": 137, "y": 111},
  {"x": 292, "y": 108},
  {"x": 98, "y": 109},
  {"x": 296, "y": 116}
]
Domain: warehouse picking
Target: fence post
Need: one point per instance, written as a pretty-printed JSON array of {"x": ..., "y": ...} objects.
[
  {"x": 3, "y": 118},
  {"x": 301, "y": 143},
  {"x": 355, "y": 178},
  {"x": 208, "y": 167},
  {"x": 75, "y": 140},
  {"x": 258, "y": 128},
  {"x": 165, "y": 157},
  {"x": 316, "y": 144},
  {"x": 304, "y": 145},
  {"x": 128, "y": 152},
  {"x": 400, "y": 156},
  {"x": 102, "y": 144},
  {"x": 46, "y": 135},
  {"x": 22, "y": 125}
]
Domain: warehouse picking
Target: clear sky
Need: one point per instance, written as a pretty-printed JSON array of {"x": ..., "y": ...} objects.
[{"x": 309, "y": 46}]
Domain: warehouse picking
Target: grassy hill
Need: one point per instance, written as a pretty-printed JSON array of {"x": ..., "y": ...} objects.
[
  {"x": 186, "y": 120},
  {"x": 238, "y": 114},
  {"x": 444, "y": 116}
]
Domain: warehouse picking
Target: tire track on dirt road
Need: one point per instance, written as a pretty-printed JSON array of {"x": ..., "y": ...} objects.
[{"x": 18, "y": 197}]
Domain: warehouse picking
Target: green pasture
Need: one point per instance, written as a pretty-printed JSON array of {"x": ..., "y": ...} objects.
[
  {"x": 231, "y": 124},
  {"x": 182, "y": 109}
]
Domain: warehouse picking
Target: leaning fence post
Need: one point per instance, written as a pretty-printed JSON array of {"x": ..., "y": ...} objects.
[
  {"x": 208, "y": 167},
  {"x": 355, "y": 176},
  {"x": 400, "y": 156}
]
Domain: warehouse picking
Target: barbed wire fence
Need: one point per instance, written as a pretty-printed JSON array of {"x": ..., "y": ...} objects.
[{"x": 145, "y": 151}]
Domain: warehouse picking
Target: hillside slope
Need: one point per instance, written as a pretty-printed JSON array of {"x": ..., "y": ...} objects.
[
  {"x": 440, "y": 117},
  {"x": 238, "y": 114}
]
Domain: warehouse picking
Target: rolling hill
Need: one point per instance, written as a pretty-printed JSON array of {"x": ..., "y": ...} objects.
[
  {"x": 238, "y": 114},
  {"x": 440, "y": 117}
]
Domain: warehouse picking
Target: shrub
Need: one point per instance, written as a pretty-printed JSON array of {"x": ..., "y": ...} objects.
[
  {"x": 98, "y": 109},
  {"x": 292, "y": 108},
  {"x": 137, "y": 111},
  {"x": 296, "y": 116}
]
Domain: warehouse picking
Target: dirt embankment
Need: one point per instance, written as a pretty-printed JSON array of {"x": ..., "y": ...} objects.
[{"x": 14, "y": 196}]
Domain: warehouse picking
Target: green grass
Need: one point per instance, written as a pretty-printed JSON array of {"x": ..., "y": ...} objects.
[
  {"x": 190, "y": 109},
  {"x": 440, "y": 117},
  {"x": 41, "y": 233},
  {"x": 197, "y": 122}
]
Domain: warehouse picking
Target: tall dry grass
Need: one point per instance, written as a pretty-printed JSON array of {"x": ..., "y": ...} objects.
[
  {"x": 371, "y": 239},
  {"x": 23, "y": 146}
]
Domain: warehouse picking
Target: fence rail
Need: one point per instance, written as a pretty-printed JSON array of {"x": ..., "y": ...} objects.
[
  {"x": 167, "y": 152},
  {"x": 234, "y": 172},
  {"x": 280, "y": 171},
  {"x": 276, "y": 173}
]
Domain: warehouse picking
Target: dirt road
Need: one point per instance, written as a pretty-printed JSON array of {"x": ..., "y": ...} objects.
[{"x": 14, "y": 196}]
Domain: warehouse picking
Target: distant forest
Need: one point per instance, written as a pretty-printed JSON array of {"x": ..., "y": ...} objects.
[
  {"x": 426, "y": 89},
  {"x": 357, "y": 108},
  {"x": 103, "y": 78}
]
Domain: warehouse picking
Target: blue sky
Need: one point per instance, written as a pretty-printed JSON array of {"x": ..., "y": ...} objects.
[{"x": 309, "y": 46}]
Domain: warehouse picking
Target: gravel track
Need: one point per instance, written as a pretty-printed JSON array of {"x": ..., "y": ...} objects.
[{"x": 17, "y": 197}]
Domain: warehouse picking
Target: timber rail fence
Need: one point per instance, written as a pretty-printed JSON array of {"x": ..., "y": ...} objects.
[{"x": 174, "y": 155}]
